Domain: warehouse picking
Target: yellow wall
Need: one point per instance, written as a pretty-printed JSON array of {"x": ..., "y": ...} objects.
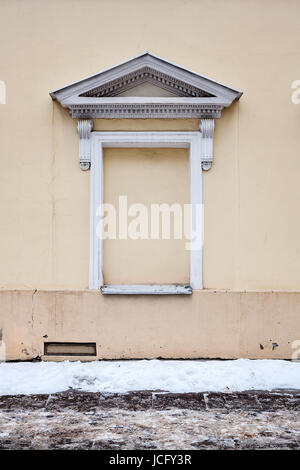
[
  {"x": 251, "y": 194},
  {"x": 146, "y": 176}
]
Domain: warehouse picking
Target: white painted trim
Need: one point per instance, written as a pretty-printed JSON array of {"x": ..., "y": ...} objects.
[
  {"x": 144, "y": 100},
  {"x": 212, "y": 96},
  {"x": 99, "y": 140},
  {"x": 146, "y": 289},
  {"x": 195, "y": 199},
  {"x": 154, "y": 58},
  {"x": 84, "y": 128},
  {"x": 96, "y": 199}
]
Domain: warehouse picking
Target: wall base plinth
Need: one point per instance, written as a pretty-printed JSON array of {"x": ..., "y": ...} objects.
[{"x": 207, "y": 324}]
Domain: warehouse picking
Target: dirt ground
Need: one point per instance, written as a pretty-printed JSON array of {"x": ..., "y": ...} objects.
[{"x": 151, "y": 420}]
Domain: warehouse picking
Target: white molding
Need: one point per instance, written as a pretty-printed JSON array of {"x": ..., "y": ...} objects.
[
  {"x": 146, "y": 289},
  {"x": 144, "y": 59},
  {"x": 142, "y": 75},
  {"x": 198, "y": 96},
  {"x": 96, "y": 200},
  {"x": 207, "y": 127},
  {"x": 143, "y": 109},
  {"x": 191, "y": 140},
  {"x": 84, "y": 128}
]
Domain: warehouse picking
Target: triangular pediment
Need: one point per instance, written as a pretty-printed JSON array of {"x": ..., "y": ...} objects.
[
  {"x": 146, "y": 86},
  {"x": 150, "y": 76}
]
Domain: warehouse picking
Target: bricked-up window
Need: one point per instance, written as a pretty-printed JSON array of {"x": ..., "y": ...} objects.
[{"x": 146, "y": 176}]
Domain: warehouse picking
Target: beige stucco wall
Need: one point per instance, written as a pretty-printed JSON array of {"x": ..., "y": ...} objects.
[
  {"x": 206, "y": 324},
  {"x": 251, "y": 194},
  {"x": 146, "y": 176}
]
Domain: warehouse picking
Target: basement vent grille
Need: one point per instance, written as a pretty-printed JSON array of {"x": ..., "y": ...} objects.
[{"x": 70, "y": 349}]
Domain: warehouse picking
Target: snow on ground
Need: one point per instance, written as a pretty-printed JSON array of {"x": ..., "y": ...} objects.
[{"x": 173, "y": 376}]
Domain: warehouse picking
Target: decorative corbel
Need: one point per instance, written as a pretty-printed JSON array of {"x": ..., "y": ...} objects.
[
  {"x": 85, "y": 127},
  {"x": 207, "y": 131}
]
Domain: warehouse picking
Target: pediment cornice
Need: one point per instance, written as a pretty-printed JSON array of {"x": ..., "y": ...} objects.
[
  {"x": 142, "y": 75},
  {"x": 191, "y": 95}
]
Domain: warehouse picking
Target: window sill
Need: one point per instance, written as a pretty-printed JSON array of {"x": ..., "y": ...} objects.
[{"x": 146, "y": 289}]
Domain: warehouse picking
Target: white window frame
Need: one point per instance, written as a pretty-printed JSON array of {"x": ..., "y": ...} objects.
[{"x": 194, "y": 141}]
